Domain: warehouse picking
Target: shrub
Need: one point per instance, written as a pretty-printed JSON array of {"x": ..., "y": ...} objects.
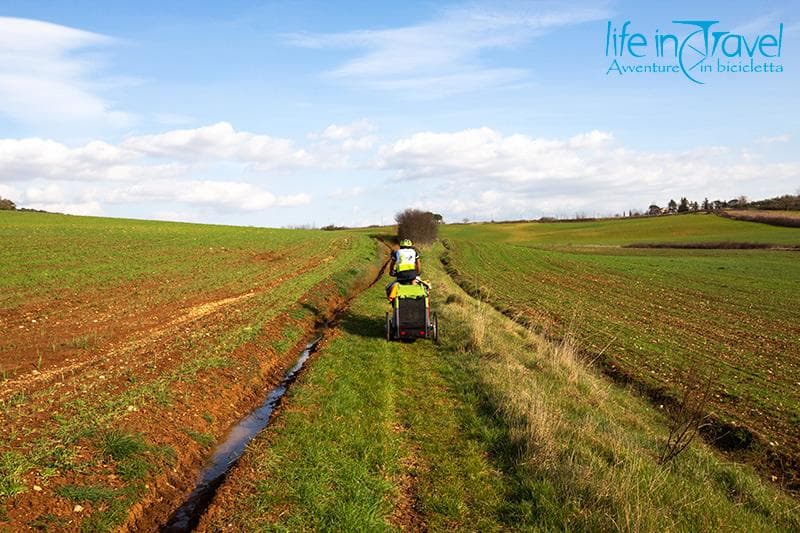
[
  {"x": 419, "y": 226},
  {"x": 6, "y": 204}
]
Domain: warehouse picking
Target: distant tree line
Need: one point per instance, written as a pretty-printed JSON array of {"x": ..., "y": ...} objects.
[
  {"x": 8, "y": 205},
  {"x": 687, "y": 206},
  {"x": 787, "y": 202},
  {"x": 783, "y": 203}
]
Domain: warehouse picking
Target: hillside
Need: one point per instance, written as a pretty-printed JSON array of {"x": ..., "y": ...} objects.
[{"x": 682, "y": 229}]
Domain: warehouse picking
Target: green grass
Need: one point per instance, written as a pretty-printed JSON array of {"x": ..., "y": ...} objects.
[
  {"x": 133, "y": 456},
  {"x": 676, "y": 228},
  {"x": 664, "y": 317},
  {"x": 65, "y": 254},
  {"x": 12, "y": 466},
  {"x": 120, "y": 446},
  {"x": 205, "y": 440},
  {"x": 496, "y": 429},
  {"x": 89, "y": 493},
  {"x": 112, "y": 505},
  {"x": 354, "y": 436}
]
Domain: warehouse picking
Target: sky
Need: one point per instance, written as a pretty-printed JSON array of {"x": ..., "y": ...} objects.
[{"x": 293, "y": 113}]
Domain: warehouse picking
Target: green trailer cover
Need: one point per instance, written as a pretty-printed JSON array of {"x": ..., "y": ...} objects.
[{"x": 411, "y": 291}]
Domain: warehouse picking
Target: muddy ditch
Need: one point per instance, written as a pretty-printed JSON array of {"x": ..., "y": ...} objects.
[
  {"x": 190, "y": 510},
  {"x": 227, "y": 453}
]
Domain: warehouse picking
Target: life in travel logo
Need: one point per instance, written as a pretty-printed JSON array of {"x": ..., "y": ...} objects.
[{"x": 696, "y": 49}]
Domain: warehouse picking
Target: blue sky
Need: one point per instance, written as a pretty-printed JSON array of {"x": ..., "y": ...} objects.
[{"x": 290, "y": 113}]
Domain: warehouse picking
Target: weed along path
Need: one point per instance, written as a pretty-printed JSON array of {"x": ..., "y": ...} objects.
[{"x": 493, "y": 429}]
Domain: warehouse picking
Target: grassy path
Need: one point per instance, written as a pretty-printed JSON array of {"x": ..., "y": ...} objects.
[
  {"x": 377, "y": 436},
  {"x": 495, "y": 429}
]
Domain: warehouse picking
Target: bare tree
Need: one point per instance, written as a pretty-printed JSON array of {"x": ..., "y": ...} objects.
[
  {"x": 419, "y": 226},
  {"x": 689, "y": 418}
]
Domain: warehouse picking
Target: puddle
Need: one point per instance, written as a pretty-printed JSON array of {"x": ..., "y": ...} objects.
[{"x": 187, "y": 516}]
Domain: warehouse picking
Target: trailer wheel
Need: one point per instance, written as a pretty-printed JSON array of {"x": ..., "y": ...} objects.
[
  {"x": 388, "y": 327},
  {"x": 435, "y": 328}
]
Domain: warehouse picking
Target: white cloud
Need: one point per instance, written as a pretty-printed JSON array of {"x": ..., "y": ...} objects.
[
  {"x": 478, "y": 173},
  {"x": 177, "y": 216},
  {"x": 483, "y": 173},
  {"x": 785, "y": 138},
  {"x": 224, "y": 195},
  {"x": 359, "y": 144},
  {"x": 485, "y": 153},
  {"x": 45, "y": 79},
  {"x": 151, "y": 168},
  {"x": 344, "y": 145},
  {"x": 443, "y": 56},
  {"x": 34, "y": 158},
  {"x": 345, "y": 138},
  {"x": 92, "y": 208},
  {"x": 8, "y": 192},
  {"x": 221, "y": 141},
  {"x": 337, "y": 132},
  {"x": 141, "y": 158},
  {"x": 47, "y": 193}
]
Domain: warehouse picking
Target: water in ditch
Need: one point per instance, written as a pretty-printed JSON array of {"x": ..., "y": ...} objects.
[{"x": 187, "y": 516}]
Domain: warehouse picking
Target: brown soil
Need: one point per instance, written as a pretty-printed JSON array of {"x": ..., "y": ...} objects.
[
  {"x": 407, "y": 515},
  {"x": 123, "y": 350}
]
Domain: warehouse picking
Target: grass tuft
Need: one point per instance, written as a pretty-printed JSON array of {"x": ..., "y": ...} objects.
[
  {"x": 129, "y": 451},
  {"x": 119, "y": 445},
  {"x": 12, "y": 466},
  {"x": 89, "y": 493},
  {"x": 205, "y": 440}
]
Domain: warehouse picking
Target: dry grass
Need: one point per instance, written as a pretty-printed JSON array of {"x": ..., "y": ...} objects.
[
  {"x": 723, "y": 245},
  {"x": 591, "y": 449},
  {"x": 789, "y": 219}
]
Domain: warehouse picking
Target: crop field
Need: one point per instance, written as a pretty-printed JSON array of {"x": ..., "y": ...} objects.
[
  {"x": 662, "y": 317},
  {"x": 132, "y": 349},
  {"x": 130, "y": 346},
  {"x": 626, "y": 231}
]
